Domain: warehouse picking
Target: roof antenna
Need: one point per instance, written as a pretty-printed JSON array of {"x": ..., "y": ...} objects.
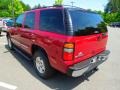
[{"x": 72, "y": 3}]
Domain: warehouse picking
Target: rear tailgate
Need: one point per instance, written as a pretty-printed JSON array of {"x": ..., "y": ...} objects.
[
  {"x": 88, "y": 46},
  {"x": 89, "y": 34}
]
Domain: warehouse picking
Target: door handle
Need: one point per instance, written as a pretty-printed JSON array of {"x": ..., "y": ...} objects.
[
  {"x": 32, "y": 36},
  {"x": 47, "y": 39}
]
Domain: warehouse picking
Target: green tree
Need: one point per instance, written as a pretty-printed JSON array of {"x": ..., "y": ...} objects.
[
  {"x": 36, "y": 6},
  {"x": 58, "y": 2},
  {"x": 4, "y": 8},
  {"x": 111, "y": 17},
  {"x": 113, "y": 6},
  {"x": 4, "y": 4},
  {"x": 17, "y": 7},
  {"x": 4, "y": 13},
  {"x": 25, "y": 7}
]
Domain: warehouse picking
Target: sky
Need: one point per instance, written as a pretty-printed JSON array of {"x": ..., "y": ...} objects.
[{"x": 86, "y": 4}]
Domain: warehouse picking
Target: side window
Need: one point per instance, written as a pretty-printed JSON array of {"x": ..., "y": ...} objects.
[
  {"x": 19, "y": 20},
  {"x": 52, "y": 21},
  {"x": 29, "y": 20}
]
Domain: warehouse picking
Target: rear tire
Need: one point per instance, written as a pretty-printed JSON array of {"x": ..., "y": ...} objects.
[{"x": 42, "y": 65}]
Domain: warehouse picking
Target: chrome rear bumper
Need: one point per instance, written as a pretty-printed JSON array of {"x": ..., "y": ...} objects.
[{"x": 89, "y": 64}]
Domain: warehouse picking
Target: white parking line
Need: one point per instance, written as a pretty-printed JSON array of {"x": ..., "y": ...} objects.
[{"x": 8, "y": 86}]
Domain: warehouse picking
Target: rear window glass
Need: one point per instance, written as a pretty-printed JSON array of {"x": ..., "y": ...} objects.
[
  {"x": 87, "y": 23},
  {"x": 52, "y": 21}
]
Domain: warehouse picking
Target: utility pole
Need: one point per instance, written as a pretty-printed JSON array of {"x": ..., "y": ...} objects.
[{"x": 72, "y": 3}]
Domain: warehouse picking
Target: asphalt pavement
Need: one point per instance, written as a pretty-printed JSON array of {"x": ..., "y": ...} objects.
[{"x": 16, "y": 73}]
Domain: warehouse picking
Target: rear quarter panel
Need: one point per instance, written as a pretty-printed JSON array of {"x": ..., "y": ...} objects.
[{"x": 53, "y": 44}]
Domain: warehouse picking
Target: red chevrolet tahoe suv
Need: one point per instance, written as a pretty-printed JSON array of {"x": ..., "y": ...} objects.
[{"x": 68, "y": 39}]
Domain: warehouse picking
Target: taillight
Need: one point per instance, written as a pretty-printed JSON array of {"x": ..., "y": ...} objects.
[{"x": 68, "y": 51}]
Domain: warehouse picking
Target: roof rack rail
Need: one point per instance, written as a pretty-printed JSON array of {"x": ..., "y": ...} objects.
[
  {"x": 52, "y": 6},
  {"x": 69, "y": 6},
  {"x": 59, "y": 6},
  {"x": 73, "y": 7},
  {"x": 47, "y": 7}
]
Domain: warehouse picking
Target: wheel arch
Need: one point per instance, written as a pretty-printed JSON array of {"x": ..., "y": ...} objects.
[{"x": 34, "y": 48}]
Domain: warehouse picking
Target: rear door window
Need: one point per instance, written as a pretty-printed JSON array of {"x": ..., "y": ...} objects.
[
  {"x": 29, "y": 20},
  {"x": 52, "y": 21}
]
